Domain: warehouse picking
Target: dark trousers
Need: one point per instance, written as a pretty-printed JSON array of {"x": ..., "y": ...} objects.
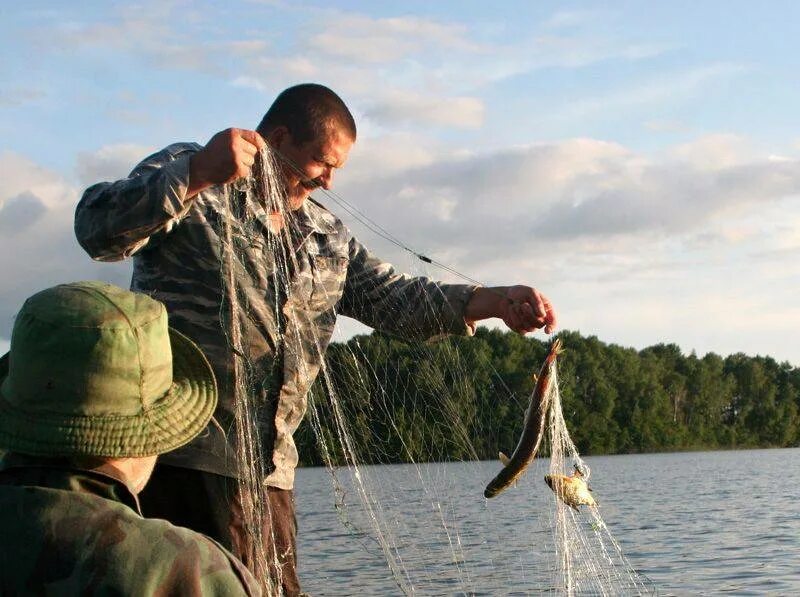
[{"x": 212, "y": 504}]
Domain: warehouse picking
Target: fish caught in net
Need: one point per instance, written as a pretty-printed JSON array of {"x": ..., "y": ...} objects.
[
  {"x": 591, "y": 561},
  {"x": 402, "y": 428}
]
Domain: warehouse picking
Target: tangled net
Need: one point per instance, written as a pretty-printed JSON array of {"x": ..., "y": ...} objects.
[{"x": 378, "y": 402}]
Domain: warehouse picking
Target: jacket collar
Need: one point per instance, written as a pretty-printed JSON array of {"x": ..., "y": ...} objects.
[
  {"x": 315, "y": 218},
  {"x": 58, "y": 473}
]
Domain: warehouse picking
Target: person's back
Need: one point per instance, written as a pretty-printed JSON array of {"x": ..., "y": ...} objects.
[{"x": 70, "y": 531}]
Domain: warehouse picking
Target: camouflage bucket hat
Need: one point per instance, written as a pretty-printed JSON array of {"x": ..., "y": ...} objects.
[{"x": 94, "y": 370}]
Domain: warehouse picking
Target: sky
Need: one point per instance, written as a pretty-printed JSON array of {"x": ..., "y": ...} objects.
[{"x": 637, "y": 162}]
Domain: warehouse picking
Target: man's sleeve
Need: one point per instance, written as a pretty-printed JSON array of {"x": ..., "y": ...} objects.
[
  {"x": 413, "y": 308},
  {"x": 113, "y": 220}
]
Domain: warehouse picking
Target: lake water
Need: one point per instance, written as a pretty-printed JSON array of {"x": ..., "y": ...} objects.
[{"x": 691, "y": 523}]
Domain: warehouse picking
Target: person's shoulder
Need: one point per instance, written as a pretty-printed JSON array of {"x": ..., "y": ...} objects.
[
  {"x": 190, "y": 558},
  {"x": 163, "y": 534},
  {"x": 327, "y": 221},
  {"x": 172, "y": 152},
  {"x": 319, "y": 211},
  {"x": 162, "y": 157},
  {"x": 176, "y": 149}
]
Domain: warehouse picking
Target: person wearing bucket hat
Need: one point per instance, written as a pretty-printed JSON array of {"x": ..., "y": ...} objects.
[{"x": 94, "y": 387}]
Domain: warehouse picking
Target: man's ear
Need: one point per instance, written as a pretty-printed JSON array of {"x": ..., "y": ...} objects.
[{"x": 278, "y": 136}]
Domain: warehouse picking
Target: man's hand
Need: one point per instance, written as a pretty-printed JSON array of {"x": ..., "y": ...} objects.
[
  {"x": 525, "y": 309},
  {"x": 522, "y": 308},
  {"x": 228, "y": 156}
]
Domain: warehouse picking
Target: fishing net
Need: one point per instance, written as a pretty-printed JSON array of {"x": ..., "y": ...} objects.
[
  {"x": 590, "y": 561},
  {"x": 405, "y": 430}
]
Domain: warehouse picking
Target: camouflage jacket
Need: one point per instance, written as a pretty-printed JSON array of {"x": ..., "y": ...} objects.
[
  {"x": 177, "y": 257},
  {"x": 68, "y": 531}
]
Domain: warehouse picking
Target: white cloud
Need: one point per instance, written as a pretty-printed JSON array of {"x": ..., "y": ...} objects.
[
  {"x": 166, "y": 35},
  {"x": 37, "y": 246},
  {"x": 247, "y": 47},
  {"x": 174, "y": 35},
  {"x": 571, "y": 193},
  {"x": 110, "y": 162},
  {"x": 363, "y": 39},
  {"x": 22, "y": 177},
  {"x": 405, "y": 108},
  {"x": 384, "y": 64},
  {"x": 128, "y": 28},
  {"x": 677, "y": 86},
  {"x": 667, "y": 126},
  {"x": 636, "y": 248},
  {"x": 249, "y": 83},
  {"x": 571, "y": 18},
  {"x": 390, "y": 153},
  {"x": 20, "y": 213},
  {"x": 19, "y": 96},
  {"x": 715, "y": 152}
]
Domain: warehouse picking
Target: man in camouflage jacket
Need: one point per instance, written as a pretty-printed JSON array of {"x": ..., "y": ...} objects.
[
  {"x": 170, "y": 213},
  {"x": 93, "y": 388}
]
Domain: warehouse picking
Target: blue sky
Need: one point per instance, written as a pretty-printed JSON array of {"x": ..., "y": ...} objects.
[{"x": 637, "y": 162}]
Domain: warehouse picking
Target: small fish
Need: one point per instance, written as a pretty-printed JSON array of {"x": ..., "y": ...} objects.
[
  {"x": 532, "y": 429},
  {"x": 572, "y": 490}
]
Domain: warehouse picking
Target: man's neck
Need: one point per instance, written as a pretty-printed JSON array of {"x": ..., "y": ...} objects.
[{"x": 135, "y": 472}]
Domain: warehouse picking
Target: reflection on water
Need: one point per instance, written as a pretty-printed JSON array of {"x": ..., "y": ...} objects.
[{"x": 699, "y": 522}]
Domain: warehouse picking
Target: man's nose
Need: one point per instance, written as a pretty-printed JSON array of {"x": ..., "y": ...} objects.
[{"x": 327, "y": 179}]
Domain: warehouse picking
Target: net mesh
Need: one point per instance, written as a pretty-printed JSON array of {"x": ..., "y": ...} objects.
[{"x": 429, "y": 410}]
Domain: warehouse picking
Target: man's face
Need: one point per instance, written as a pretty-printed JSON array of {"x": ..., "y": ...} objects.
[{"x": 307, "y": 166}]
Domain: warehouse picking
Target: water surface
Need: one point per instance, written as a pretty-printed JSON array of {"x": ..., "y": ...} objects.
[{"x": 692, "y": 523}]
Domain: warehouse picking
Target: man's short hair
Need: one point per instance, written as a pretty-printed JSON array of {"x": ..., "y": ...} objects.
[{"x": 307, "y": 111}]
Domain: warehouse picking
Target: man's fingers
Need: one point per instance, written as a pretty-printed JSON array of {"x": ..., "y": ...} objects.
[
  {"x": 246, "y": 147},
  {"x": 522, "y": 319},
  {"x": 539, "y": 304},
  {"x": 252, "y": 137},
  {"x": 551, "y": 320},
  {"x": 546, "y": 312},
  {"x": 532, "y": 316},
  {"x": 513, "y": 315},
  {"x": 529, "y": 310}
]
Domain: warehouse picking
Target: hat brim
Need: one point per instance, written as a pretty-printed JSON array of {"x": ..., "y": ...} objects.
[{"x": 172, "y": 421}]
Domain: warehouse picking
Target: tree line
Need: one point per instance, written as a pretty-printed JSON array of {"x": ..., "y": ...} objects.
[{"x": 382, "y": 400}]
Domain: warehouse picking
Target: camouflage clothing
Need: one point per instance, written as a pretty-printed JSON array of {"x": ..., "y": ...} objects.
[
  {"x": 176, "y": 258},
  {"x": 69, "y": 531}
]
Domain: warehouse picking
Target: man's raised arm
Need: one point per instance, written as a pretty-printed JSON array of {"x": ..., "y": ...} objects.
[{"x": 114, "y": 220}]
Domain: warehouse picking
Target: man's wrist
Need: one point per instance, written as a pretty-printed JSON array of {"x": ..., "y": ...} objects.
[
  {"x": 485, "y": 302},
  {"x": 197, "y": 179}
]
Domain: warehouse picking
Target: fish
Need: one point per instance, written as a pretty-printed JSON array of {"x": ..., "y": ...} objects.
[
  {"x": 572, "y": 490},
  {"x": 532, "y": 429}
]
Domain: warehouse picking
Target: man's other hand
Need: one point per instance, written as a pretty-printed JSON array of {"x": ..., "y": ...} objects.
[
  {"x": 525, "y": 309},
  {"x": 522, "y": 308}
]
